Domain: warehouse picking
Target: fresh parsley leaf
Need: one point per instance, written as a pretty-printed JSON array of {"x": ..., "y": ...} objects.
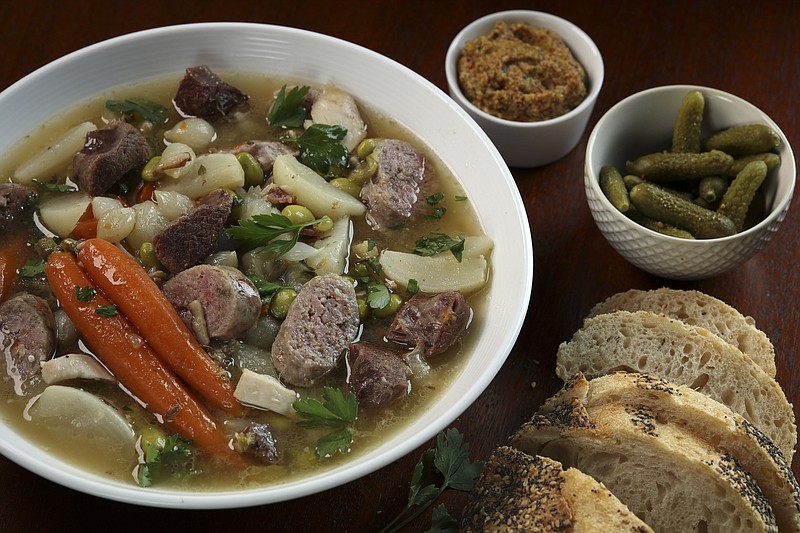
[
  {"x": 320, "y": 148},
  {"x": 31, "y": 269},
  {"x": 106, "y": 310},
  {"x": 56, "y": 187},
  {"x": 439, "y": 242},
  {"x": 374, "y": 264},
  {"x": 449, "y": 461},
  {"x": 263, "y": 230},
  {"x": 288, "y": 108},
  {"x": 378, "y": 295},
  {"x": 339, "y": 412},
  {"x": 435, "y": 198},
  {"x": 412, "y": 286},
  {"x": 175, "y": 458},
  {"x": 264, "y": 286},
  {"x": 442, "y": 521},
  {"x": 461, "y": 198},
  {"x": 85, "y": 294},
  {"x": 437, "y": 213},
  {"x": 370, "y": 245},
  {"x": 150, "y": 111}
]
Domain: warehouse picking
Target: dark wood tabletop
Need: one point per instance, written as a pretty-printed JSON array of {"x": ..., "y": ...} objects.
[{"x": 750, "y": 49}]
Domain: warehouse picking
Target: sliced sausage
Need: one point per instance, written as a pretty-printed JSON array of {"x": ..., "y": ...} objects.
[
  {"x": 203, "y": 94},
  {"x": 320, "y": 325},
  {"x": 378, "y": 377},
  {"x": 229, "y": 301},
  {"x": 188, "y": 240},
  {"x": 398, "y": 189},
  {"x": 436, "y": 321},
  {"x": 107, "y": 155},
  {"x": 27, "y": 338},
  {"x": 13, "y": 199}
]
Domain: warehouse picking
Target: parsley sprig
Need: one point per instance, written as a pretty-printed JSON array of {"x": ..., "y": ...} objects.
[
  {"x": 445, "y": 467},
  {"x": 439, "y": 242},
  {"x": 150, "y": 111},
  {"x": 263, "y": 230},
  {"x": 339, "y": 412},
  {"x": 320, "y": 147},
  {"x": 288, "y": 109},
  {"x": 31, "y": 269},
  {"x": 174, "y": 458}
]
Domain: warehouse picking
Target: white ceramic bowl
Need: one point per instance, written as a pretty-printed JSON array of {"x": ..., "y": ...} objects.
[
  {"x": 313, "y": 58},
  {"x": 642, "y": 123},
  {"x": 532, "y": 144}
]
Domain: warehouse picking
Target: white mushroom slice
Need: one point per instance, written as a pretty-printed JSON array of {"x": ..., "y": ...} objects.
[
  {"x": 435, "y": 273},
  {"x": 266, "y": 392},
  {"x": 74, "y": 366},
  {"x": 75, "y": 412}
]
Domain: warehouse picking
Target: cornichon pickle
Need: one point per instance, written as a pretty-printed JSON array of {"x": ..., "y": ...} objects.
[
  {"x": 686, "y": 133},
  {"x": 771, "y": 159},
  {"x": 667, "y": 166},
  {"x": 631, "y": 181},
  {"x": 711, "y": 188},
  {"x": 654, "y": 202},
  {"x": 743, "y": 188},
  {"x": 614, "y": 188},
  {"x": 744, "y": 140},
  {"x": 658, "y": 226}
]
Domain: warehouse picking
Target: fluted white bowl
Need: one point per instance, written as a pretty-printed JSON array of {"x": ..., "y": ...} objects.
[
  {"x": 391, "y": 88},
  {"x": 643, "y": 123}
]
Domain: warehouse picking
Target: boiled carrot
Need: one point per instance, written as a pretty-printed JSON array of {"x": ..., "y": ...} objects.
[
  {"x": 118, "y": 345},
  {"x": 136, "y": 295},
  {"x": 12, "y": 257},
  {"x": 85, "y": 229}
]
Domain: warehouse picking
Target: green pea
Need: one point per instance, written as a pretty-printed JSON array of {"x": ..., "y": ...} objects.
[
  {"x": 147, "y": 171},
  {"x": 298, "y": 214},
  {"x": 363, "y": 308},
  {"x": 153, "y": 436},
  {"x": 347, "y": 185},
  {"x": 359, "y": 269},
  {"x": 148, "y": 257},
  {"x": 325, "y": 224},
  {"x": 253, "y": 174},
  {"x": 391, "y": 308},
  {"x": 281, "y": 300}
]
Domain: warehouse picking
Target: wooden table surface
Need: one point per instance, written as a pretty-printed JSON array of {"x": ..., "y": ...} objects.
[{"x": 750, "y": 49}]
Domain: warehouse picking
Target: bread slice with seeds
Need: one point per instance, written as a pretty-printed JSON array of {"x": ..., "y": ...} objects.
[
  {"x": 521, "y": 492},
  {"x": 698, "y": 309},
  {"x": 704, "y": 417},
  {"x": 685, "y": 355},
  {"x": 670, "y": 478}
]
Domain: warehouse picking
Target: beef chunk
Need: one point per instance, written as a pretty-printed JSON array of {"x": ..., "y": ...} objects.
[
  {"x": 256, "y": 441},
  {"x": 13, "y": 199},
  {"x": 203, "y": 94},
  {"x": 320, "y": 325},
  {"x": 436, "y": 321},
  {"x": 398, "y": 189},
  {"x": 27, "y": 338},
  {"x": 185, "y": 242},
  {"x": 229, "y": 301},
  {"x": 378, "y": 377},
  {"x": 107, "y": 155}
]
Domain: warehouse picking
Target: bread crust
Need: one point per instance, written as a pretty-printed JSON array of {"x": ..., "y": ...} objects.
[{"x": 698, "y": 309}]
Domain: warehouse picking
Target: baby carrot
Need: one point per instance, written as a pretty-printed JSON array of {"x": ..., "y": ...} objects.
[
  {"x": 12, "y": 257},
  {"x": 117, "y": 343},
  {"x": 136, "y": 295}
]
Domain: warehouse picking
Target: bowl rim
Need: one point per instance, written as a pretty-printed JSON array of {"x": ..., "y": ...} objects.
[
  {"x": 779, "y": 207},
  {"x": 529, "y": 16},
  {"x": 61, "y": 472}
]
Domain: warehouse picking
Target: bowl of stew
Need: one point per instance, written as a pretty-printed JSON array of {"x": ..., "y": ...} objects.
[{"x": 228, "y": 198}]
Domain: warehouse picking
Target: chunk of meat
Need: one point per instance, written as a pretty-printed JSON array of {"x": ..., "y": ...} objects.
[
  {"x": 13, "y": 199},
  {"x": 320, "y": 325},
  {"x": 186, "y": 241},
  {"x": 108, "y": 154},
  {"x": 398, "y": 189},
  {"x": 229, "y": 301},
  {"x": 203, "y": 94},
  {"x": 265, "y": 152},
  {"x": 256, "y": 441},
  {"x": 27, "y": 338},
  {"x": 436, "y": 321},
  {"x": 378, "y": 377}
]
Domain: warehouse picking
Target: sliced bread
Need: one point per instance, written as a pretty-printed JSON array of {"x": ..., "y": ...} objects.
[
  {"x": 521, "y": 492},
  {"x": 698, "y": 309},
  {"x": 685, "y": 355},
  {"x": 672, "y": 480},
  {"x": 707, "y": 419}
]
